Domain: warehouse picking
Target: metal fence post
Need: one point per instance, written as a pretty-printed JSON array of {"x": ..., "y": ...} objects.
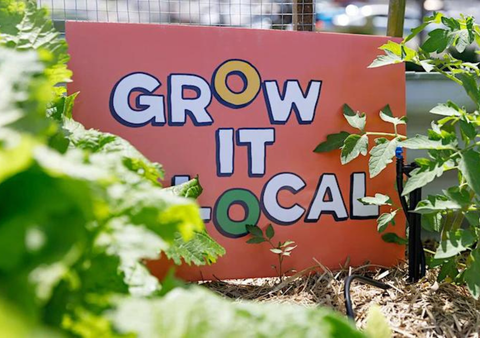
[
  {"x": 396, "y": 18},
  {"x": 303, "y": 12}
]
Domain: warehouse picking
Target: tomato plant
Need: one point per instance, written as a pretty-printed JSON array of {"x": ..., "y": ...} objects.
[{"x": 452, "y": 144}]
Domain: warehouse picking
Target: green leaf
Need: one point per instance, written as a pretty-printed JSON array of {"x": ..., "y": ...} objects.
[
  {"x": 385, "y": 219},
  {"x": 334, "y": 141},
  {"x": 448, "y": 269},
  {"x": 422, "y": 142},
  {"x": 436, "y": 203},
  {"x": 254, "y": 230},
  {"x": 286, "y": 243},
  {"x": 355, "y": 119},
  {"x": 189, "y": 189},
  {"x": 384, "y": 60},
  {"x": 379, "y": 199},
  {"x": 469, "y": 166},
  {"x": 197, "y": 312},
  {"x": 199, "y": 250},
  {"x": 435, "y": 18},
  {"x": 34, "y": 30},
  {"x": 445, "y": 110},
  {"x": 468, "y": 130},
  {"x": 391, "y": 237},
  {"x": 376, "y": 325},
  {"x": 427, "y": 65},
  {"x": 473, "y": 218},
  {"x": 432, "y": 222},
  {"x": 472, "y": 273},
  {"x": 438, "y": 40},
  {"x": 470, "y": 85},
  {"x": 460, "y": 196},
  {"x": 354, "y": 146},
  {"x": 381, "y": 155},
  {"x": 456, "y": 242},
  {"x": 269, "y": 232},
  {"x": 390, "y": 119},
  {"x": 256, "y": 240},
  {"x": 387, "y": 110},
  {"x": 420, "y": 177}
]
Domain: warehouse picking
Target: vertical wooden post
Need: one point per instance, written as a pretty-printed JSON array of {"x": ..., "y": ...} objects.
[
  {"x": 396, "y": 18},
  {"x": 303, "y": 12}
]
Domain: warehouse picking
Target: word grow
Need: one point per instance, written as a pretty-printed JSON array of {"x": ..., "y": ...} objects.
[
  {"x": 135, "y": 102},
  {"x": 150, "y": 108}
]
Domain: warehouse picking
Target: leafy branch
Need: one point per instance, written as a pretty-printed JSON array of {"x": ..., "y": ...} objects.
[
  {"x": 282, "y": 249},
  {"x": 452, "y": 143}
]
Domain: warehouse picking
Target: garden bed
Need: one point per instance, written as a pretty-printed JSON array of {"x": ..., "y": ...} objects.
[{"x": 424, "y": 309}]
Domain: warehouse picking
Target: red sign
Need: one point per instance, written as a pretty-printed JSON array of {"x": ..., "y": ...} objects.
[{"x": 244, "y": 109}]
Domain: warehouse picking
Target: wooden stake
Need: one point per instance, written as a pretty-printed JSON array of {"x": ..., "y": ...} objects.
[
  {"x": 303, "y": 12},
  {"x": 396, "y": 18}
]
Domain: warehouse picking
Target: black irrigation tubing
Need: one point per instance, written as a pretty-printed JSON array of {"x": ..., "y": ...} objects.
[
  {"x": 416, "y": 255},
  {"x": 364, "y": 280}
]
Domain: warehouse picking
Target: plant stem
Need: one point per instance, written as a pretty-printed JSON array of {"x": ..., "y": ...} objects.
[
  {"x": 374, "y": 133},
  {"x": 280, "y": 260},
  {"x": 451, "y": 77}
]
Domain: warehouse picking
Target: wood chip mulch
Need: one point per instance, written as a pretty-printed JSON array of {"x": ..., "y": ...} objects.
[{"x": 423, "y": 309}]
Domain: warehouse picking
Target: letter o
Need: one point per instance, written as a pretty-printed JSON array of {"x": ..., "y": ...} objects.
[
  {"x": 251, "y": 83},
  {"x": 221, "y": 219}
]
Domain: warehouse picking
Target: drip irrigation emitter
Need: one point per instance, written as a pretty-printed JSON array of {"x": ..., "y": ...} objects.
[{"x": 416, "y": 255}]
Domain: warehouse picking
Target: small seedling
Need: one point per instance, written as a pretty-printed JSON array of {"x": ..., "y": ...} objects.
[{"x": 282, "y": 250}]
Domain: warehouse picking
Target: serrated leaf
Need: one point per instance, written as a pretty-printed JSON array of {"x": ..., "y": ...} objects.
[
  {"x": 355, "y": 119},
  {"x": 390, "y": 119},
  {"x": 197, "y": 312},
  {"x": 383, "y": 60},
  {"x": 456, "y": 242},
  {"x": 385, "y": 219},
  {"x": 354, "y": 146},
  {"x": 200, "y": 250},
  {"x": 469, "y": 166},
  {"x": 472, "y": 273},
  {"x": 445, "y": 110},
  {"x": 189, "y": 189},
  {"x": 381, "y": 155},
  {"x": 420, "y": 177},
  {"x": 422, "y": 142},
  {"x": 436, "y": 203},
  {"x": 269, "y": 232},
  {"x": 379, "y": 200},
  {"x": 334, "y": 141},
  {"x": 391, "y": 237},
  {"x": 427, "y": 65}
]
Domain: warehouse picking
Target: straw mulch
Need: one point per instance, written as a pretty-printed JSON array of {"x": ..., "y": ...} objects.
[{"x": 424, "y": 309}]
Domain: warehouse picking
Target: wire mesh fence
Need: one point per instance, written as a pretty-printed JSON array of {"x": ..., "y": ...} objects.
[{"x": 265, "y": 14}]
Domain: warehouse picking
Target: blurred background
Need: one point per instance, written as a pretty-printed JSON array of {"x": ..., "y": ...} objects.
[{"x": 365, "y": 17}]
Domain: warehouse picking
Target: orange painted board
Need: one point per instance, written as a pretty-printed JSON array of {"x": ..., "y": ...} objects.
[{"x": 244, "y": 109}]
